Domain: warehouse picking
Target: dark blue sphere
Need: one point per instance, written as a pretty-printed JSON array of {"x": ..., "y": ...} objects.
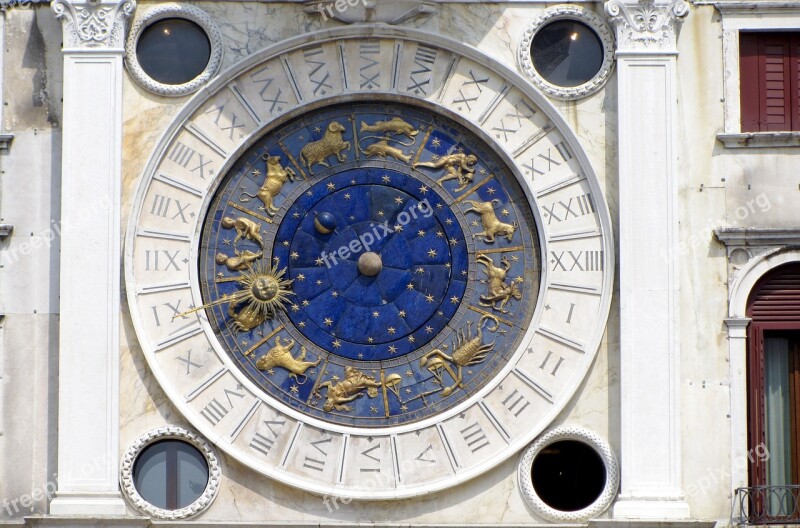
[{"x": 325, "y": 223}]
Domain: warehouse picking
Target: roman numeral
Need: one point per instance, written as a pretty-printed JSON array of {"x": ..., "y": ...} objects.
[
  {"x": 422, "y": 458},
  {"x": 580, "y": 260},
  {"x": 163, "y": 263},
  {"x": 532, "y": 169},
  {"x": 370, "y": 52},
  {"x": 547, "y": 360},
  {"x": 368, "y": 453},
  {"x": 583, "y": 206},
  {"x": 183, "y": 155},
  {"x": 315, "y": 463},
  {"x": 318, "y": 76},
  {"x": 263, "y": 442},
  {"x": 515, "y": 403},
  {"x": 214, "y": 412},
  {"x": 465, "y": 99},
  {"x": 474, "y": 437},
  {"x": 515, "y": 120},
  {"x": 188, "y": 362},
  {"x": 569, "y": 315},
  {"x": 234, "y": 120},
  {"x": 175, "y": 311},
  {"x": 424, "y": 59},
  {"x": 163, "y": 207},
  {"x": 274, "y": 100}
]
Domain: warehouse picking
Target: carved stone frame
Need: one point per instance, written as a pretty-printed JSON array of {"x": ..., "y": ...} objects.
[
  {"x": 170, "y": 433},
  {"x": 187, "y": 12},
  {"x": 567, "y": 12},
  {"x": 579, "y": 434}
]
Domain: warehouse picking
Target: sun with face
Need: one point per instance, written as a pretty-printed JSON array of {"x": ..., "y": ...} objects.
[{"x": 263, "y": 289}]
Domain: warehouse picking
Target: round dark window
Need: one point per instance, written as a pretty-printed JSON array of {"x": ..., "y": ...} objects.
[
  {"x": 173, "y": 50},
  {"x": 568, "y": 475},
  {"x": 170, "y": 474},
  {"x": 567, "y": 53}
]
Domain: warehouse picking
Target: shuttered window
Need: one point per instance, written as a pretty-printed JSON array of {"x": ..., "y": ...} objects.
[{"x": 770, "y": 81}]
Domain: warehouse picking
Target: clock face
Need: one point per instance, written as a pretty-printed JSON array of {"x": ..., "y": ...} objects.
[
  {"x": 374, "y": 267},
  {"x": 410, "y": 268}
]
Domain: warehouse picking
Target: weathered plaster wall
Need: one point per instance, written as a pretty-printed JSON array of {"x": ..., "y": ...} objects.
[{"x": 29, "y": 199}]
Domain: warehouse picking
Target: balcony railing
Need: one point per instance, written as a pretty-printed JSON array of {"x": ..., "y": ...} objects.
[{"x": 766, "y": 505}]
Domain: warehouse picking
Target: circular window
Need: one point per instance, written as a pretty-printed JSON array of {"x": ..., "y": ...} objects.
[
  {"x": 173, "y": 49},
  {"x": 568, "y": 475},
  {"x": 567, "y": 51},
  {"x": 170, "y": 473}
]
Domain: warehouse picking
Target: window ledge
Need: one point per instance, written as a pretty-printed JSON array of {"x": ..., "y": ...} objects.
[{"x": 760, "y": 139}]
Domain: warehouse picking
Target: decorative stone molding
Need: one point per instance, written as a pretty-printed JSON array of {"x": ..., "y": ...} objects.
[
  {"x": 593, "y": 440},
  {"x": 571, "y": 12},
  {"x": 170, "y": 433},
  {"x": 646, "y": 24},
  {"x": 160, "y": 12},
  {"x": 746, "y": 245},
  {"x": 93, "y": 25},
  {"x": 353, "y": 11}
]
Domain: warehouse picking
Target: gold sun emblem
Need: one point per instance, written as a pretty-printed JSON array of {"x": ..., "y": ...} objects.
[{"x": 263, "y": 291}]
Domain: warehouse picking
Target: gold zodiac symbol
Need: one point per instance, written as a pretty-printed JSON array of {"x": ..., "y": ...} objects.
[
  {"x": 498, "y": 291},
  {"x": 466, "y": 351},
  {"x": 273, "y": 183},
  {"x": 459, "y": 166},
  {"x": 382, "y": 149},
  {"x": 281, "y": 356},
  {"x": 240, "y": 261},
  {"x": 394, "y": 125},
  {"x": 245, "y": 228},
  {"x": 492, "y": 227},
  {"x": 330, "y": 144},
  {"x": 340, "y": 394}
]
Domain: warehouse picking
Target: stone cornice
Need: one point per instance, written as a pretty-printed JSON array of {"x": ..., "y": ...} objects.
[
  {"x": 758, "y": 237},
  {"x": 646, "y": 25},
  {"x": 94, "y": 25}
]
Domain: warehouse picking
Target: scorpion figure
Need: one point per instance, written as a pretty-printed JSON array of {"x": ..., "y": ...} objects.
[{"x": 466, "y": 351}]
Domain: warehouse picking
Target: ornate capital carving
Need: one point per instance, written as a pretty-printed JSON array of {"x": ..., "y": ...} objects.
[
  {"x": 646, "y": 24},
  {"x": 94, "y": 25}
]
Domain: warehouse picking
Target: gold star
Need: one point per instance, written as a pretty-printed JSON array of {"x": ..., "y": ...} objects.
[
  {"x": 454, "y": 299},
  {"x": 309, "y": 193},
  {"x": 453, "y": 241},
  {"x": 505, "y": 212},
  {"x": 317, "y": 129},
  {"x": 474, "y": 223},
  {"x": 449, "y": 221},
  {"x": 421, "y": 233},
  {"x": 482, "y": 171},
  {"x": 463, "y": 272},
  {"x": 295, "y": 215},
  {"x": 392, "y": 349},
  {"x": 439, "y": 206},
  {"x": 328, "y": 321},
  {"x": 305, "y": 303},
  {"x": 398, "y": 200},
  {"x": 423, "y": 189},
  {"x": 276, "y": 259},
  {"x": 227, "y": 242},
  {"x": 436, "y": 142},
  {"x": 429, "y": 329},
  {"x": 420, "y": 270},
  {"x": 335, "y": 293},
  {"x": 434, "y": 158},
  {"x": 295, "y": 389},
  {"x": 220, "y": 275},
  {"x": 447, "y": 265},
  {"x": 409, "y": 373},
  {"x": 391, "y": 330},
  {"x": 295, "y": 308},
  {"x": 319, "y": 262},
  {"x": 301, "y": 277},
  {"x": 398, "y": 228},
  {"x": 347, "y": 196},
  {"x": 386, "y": 179},
  {"x": 515, "y": 258},
  {"x": 432, "y": 253},
  {"x": 319, "y": 283},
  {"x": 439, "y": 234},
  {"x": 285, "y": 243},
  {"x": 410, "y": 286},
  {"x": 375, "y": 314},
  {"x": 402, "y": 313},
  {"x": 491, "y": 190},
  {"x": 519, "y": 279},
  {"x": 271, "y": 372},
  {"x": 336, "y": 343},
  {"x": 380, "y": 213},
  {"x": 373, "y": 409},
  {"x": 411, "y": 339},
  {"x": 429, "y": 298},
  {"x": 403, "y": 407},
  {"x": 360, "y": 355},
  {"x": 369, "y": 339},
  {"x": 301, "y": 324},
  {"x": 331, "y": 186},
  {"x": 294, "y": 255},
  {"x": 408, "y": 391},
  {"x": 256, "y": 173}
]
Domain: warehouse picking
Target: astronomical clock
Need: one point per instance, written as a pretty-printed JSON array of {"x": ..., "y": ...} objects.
[{"x": 369, "y": 266}]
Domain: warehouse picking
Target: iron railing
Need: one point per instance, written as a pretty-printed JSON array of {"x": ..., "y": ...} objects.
[{"x": 766, "y": 505}]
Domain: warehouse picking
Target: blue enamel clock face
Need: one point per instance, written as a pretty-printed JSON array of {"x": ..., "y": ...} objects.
[{"x": 371, "y": 264}]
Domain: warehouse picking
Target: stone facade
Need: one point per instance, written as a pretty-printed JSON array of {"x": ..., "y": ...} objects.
[{"x": 665, "y": 389}]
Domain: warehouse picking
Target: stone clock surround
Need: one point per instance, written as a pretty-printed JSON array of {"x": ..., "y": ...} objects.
[{"x": 591, "y": 234}]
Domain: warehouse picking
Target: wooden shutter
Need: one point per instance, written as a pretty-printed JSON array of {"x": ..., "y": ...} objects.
[{"x": 769, "y": 81}]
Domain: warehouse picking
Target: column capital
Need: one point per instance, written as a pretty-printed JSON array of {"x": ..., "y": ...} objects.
[
  {"x": 94, "y": 24},
  {"x": 646, "y": 26}
]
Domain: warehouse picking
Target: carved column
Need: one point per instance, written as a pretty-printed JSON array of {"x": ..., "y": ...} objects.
[
  {"x": 88, "y": 386},
  {"x": 649, "y": 257}
]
